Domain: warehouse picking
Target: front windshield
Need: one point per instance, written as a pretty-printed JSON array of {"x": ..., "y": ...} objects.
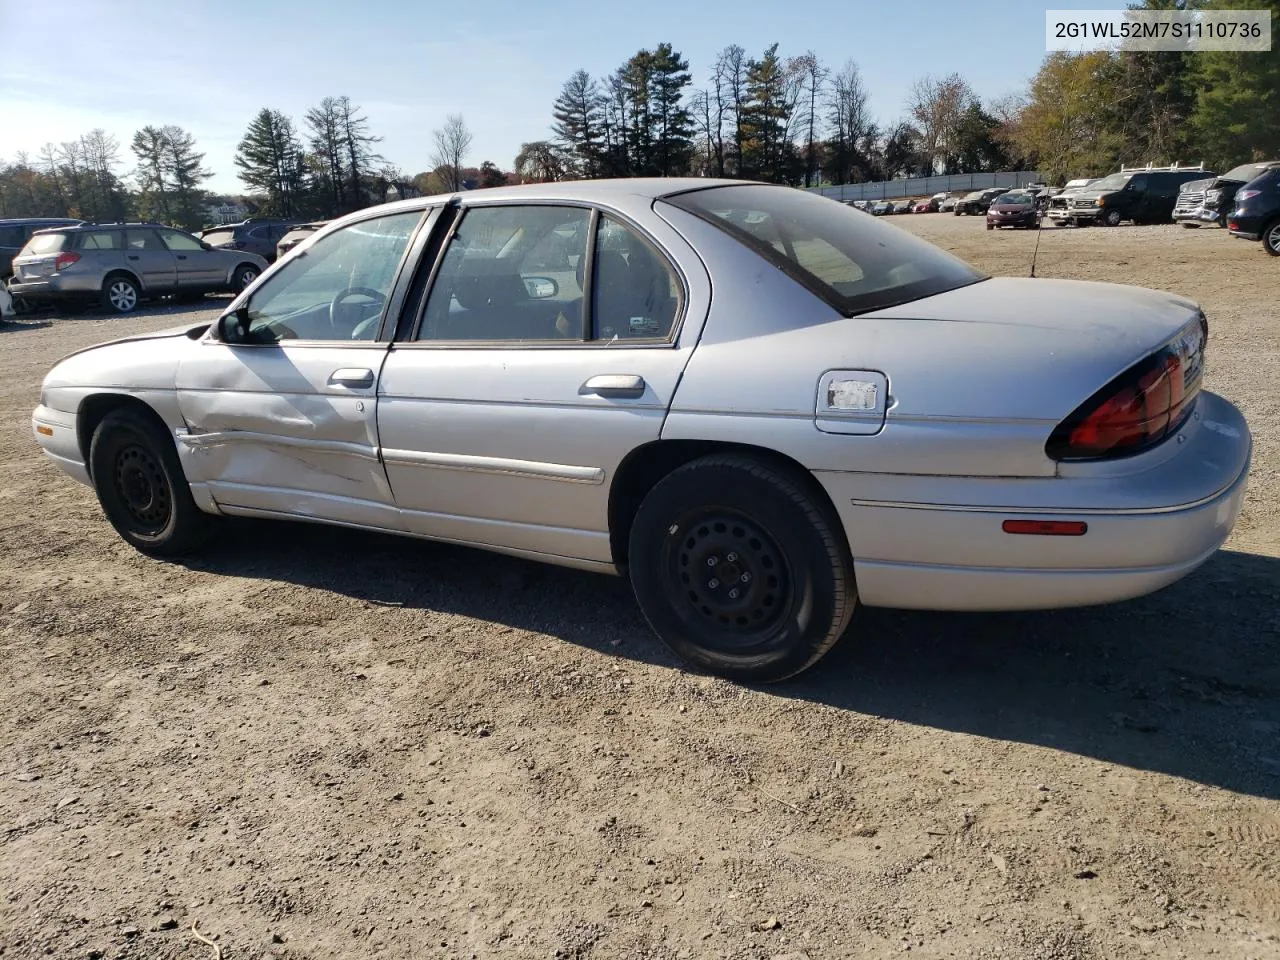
[
  {"x": 1009, "y": 198},
  {"x": 855, "y": 263},
  {"x": 1114, "y": 182}
]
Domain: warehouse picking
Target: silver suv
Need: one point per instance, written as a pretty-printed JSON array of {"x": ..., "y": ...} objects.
[{"x": 120, "y": 264}]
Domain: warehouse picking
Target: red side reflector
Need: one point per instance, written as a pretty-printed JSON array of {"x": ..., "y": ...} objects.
[{"x": 1047, "y": 528}]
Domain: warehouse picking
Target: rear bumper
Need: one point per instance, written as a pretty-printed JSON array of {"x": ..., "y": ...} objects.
[
  {"x": 1249, "y": 228},
  {"x": 56, "y": 288},
  {"x": 939, "y": 544}
]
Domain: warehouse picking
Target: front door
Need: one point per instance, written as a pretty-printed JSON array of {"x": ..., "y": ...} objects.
[
  {"x": 198, "y": 268},
  {"x": 149, "y": 259},
  {"x": 548, "y": 348},
  {"x": 281, "y": 398}
]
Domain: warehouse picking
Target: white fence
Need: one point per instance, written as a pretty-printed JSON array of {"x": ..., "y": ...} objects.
[{"x": 927, "y": 186}]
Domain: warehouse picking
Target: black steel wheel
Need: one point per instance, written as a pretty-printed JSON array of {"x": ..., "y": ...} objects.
[
  {"x": 741, "y": 568},
  {"x": 139, "y": 481}
]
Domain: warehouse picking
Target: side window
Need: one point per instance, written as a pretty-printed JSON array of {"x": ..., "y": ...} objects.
[
  {"x": 511, "y": 273},
  {"x": 102, "y": 240},
  {"x": 1139, "y": 184},
  {"x": 142, "y": 240},
  {"x": 337, "y": 289},
  {"x": 179, "y": 242},
  {"x": 635, "y": 295},
  {"x": 12, "y": 237},
  {"x": 259, "y": 233}
]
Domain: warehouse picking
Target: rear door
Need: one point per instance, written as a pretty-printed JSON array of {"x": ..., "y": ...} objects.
[
  {"x": 150, "y": 259},
  {"x": 548, "y": 348}
]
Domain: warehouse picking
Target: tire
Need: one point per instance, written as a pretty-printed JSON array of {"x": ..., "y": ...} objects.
[
  {"x": 1111, "y": 218},
  {"x": 741, "y": 522},
  {"x": 120, "y": 294},
  {"x": 1271, "y": 238},
  {"x": 141, "y": 486},
  {"x": 990, "y": 226},
  {"x": 244, "y": 275}
]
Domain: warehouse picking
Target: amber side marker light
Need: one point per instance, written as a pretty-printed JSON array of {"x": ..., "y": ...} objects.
[
  {"x": 44, "y": 431},
  {"x": 1047, "y": 528}
]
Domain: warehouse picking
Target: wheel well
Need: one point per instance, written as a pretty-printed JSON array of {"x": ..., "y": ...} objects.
[
  {"x": 645, "y": 466},
  {"x": 127, "y": 274},
  {"x": 94, "y": 409}
]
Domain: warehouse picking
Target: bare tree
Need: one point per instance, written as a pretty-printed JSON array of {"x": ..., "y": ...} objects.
[
  {"x": 938, "y": 106},
  {"x": 453, "y": 141},
  {"x": 731, "y": 80},
  {"x": 850, "y": 121},
  {"x": 812, "y": 75}
]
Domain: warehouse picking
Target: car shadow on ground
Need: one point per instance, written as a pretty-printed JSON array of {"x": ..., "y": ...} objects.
[
  {"x": 18, "y": 325},
  {"x": 1185, "y": 682}
]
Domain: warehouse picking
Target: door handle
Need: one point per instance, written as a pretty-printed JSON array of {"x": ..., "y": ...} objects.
[
  {"x": 623, "y": 385},
  {"x": 182, "y": 256},
  {"x": 351, "y": 377},
  {"x": 133, "y": 256}
]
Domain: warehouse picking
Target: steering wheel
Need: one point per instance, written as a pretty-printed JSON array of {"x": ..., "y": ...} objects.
[{"x": 334, "y": 306}]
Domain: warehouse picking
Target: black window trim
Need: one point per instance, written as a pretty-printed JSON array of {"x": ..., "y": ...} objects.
[{"x": 407, "y": 336}]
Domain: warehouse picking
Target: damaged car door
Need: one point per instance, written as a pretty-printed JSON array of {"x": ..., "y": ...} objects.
[{"x": 280, "y": 399}]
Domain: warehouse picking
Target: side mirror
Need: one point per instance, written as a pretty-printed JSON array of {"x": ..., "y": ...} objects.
[
  {"x": 206, "y": 246},
  {"x": 233, "y": 327},
  {"x": 541, "y": 288}
]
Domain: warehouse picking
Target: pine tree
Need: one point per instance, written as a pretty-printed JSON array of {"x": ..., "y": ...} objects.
[
  {"x": 270, "y": 162},
  {"x": 579, "y": 124},
  {"x": 673, "y": 125}
]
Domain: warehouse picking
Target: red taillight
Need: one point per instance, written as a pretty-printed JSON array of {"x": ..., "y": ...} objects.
[
  {"x": 65, "y": 260},
  {"x": 1139, "y": 408}
]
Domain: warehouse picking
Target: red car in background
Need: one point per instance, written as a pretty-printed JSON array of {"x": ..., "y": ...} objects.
[{"x": 929, "y": 205}]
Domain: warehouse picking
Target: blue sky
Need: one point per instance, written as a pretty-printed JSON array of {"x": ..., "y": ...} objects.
[{"x": 210, "y": 66}]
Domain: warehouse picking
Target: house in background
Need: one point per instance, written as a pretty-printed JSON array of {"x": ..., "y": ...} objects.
[{"x": 225, "y": 210}]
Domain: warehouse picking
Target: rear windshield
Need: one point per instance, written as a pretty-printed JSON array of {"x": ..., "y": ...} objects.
[
  {"x": 215, "y": 237},
  {"x": 855, "y": 263},
  {"x": 1245, "y": 172},
  {"x": 44, "y": 243}
]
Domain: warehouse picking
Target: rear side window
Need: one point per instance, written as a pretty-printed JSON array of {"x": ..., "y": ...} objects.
[
  {"x": 855, "y": 263},
  {"x": 11, "y": 236},
  {"x": 142, "y": 240},
  {"x": 105, "y": 240},
  {"x": 45, "y": 243},
  {"x": 636, "y": 294}
]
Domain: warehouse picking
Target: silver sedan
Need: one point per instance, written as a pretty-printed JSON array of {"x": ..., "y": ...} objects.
[{"x": 760, "y": 405}]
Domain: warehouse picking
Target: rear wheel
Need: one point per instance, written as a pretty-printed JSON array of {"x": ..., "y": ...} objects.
[
  {"x": 141, "y": 486},
  {"x": 1271, "y": 238},
  {"x": 740, "y": 570},
  {"x": 120, "y": 294}
]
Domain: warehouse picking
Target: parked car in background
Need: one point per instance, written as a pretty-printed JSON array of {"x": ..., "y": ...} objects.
[
  {"x": 902, "y": 206},
  {"x": 14, "y": 235},
  {"x": 1209, "y": 201},
  {"x": 1059, "y": 209},
  {"x": 1017, "y": 208},
  {"x": 978, "y": 201},
  {"x": 947, "y": 204},
  {"x": 928, "y": 205},
  {"x": 882, "y": 208},
  {"x": 120, "y": 264},
  {"x": 297, "y": 233},
  {"x": 1257, "y": 212},
  {"x": 1143, "y": 195},
  {"x": 258, "y": 235},
  {"x": 753, "y": 497}
]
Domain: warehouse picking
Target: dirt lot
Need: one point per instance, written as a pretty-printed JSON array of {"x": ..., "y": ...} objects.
[{"x": 316, "y": 743}]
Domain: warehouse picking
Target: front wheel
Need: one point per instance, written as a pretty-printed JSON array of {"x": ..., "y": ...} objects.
[
  {"x": 1271, "y": 238},
  {"x": 245, "y": 274},
  {"x": 141, "y": 486},
  {"x": 1111, "y": 218},
  {"x": 740, "y": 570}
]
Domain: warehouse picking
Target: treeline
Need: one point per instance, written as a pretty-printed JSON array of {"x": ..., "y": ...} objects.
[{"x": 796, "y": 120}]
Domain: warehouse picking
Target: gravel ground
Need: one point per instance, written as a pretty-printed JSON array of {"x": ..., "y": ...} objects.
[{"x": 318, "y": 743}]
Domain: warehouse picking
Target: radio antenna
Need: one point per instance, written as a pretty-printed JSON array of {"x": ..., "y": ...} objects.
[{"x": 1039, "y": 227}]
